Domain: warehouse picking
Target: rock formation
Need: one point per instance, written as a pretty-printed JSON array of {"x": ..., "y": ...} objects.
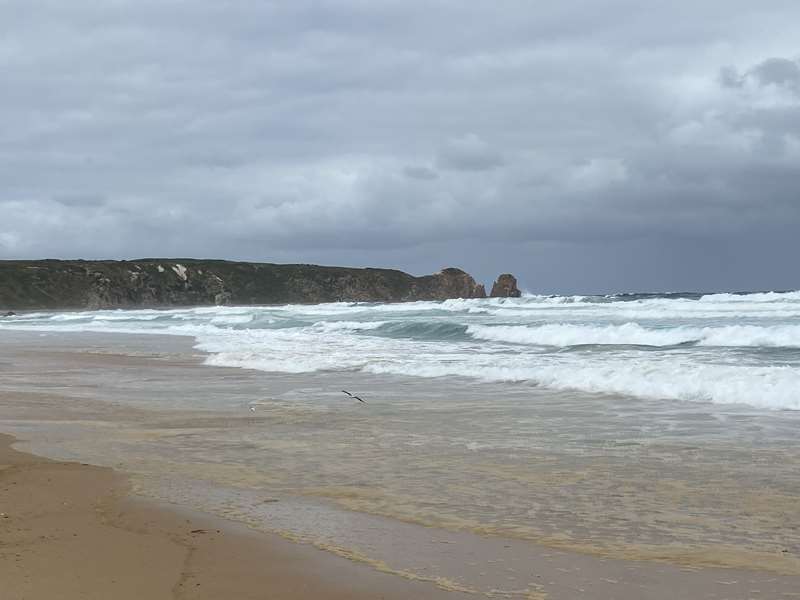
[
  {"x": 58, "y": 284},
  {"x": 505, "y": 287},
  {"x": 447, "y": 283}
]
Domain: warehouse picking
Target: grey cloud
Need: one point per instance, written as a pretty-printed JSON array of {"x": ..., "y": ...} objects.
[
  {"x": 80, "y": 199},
  {"x": 587, "y": 147},
  {"x": 468, "y": 153},
  {"x": 779, "y": 71},
  {"x": 772, "y": 71},
  {"x": 420, "y": 173},
  {"x": 729, "y": 77}
]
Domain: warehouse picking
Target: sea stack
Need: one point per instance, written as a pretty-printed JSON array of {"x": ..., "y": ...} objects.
[{"x": 505, "y": 287}]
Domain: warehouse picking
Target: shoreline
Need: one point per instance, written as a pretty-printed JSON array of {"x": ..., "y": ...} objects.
[
  {"x": 73, "y": 530},
  {"x": 34, "y": 406},
  {"x": 77, "y": 531}
]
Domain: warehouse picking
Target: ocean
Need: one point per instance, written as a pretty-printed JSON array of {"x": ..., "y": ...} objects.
[
  {"x": 655, "y": 426},
  {"x": 717, "y": 348}
]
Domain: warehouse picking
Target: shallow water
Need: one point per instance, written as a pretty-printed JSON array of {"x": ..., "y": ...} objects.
[{"x": 611, "y": 475}]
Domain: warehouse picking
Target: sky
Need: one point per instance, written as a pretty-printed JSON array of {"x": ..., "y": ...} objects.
[{"x": 585, "y": 146}]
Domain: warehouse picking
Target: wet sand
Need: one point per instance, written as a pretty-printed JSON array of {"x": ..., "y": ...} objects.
[
  {"x": 70, "y": 531},
  {"x": 74, "y": 531}
]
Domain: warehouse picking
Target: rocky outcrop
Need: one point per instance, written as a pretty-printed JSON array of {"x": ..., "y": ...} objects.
[
  {"x": 505, "y": 287},
  {"x": 447, "y": 283},
  {"x": 188, "y": 282}
]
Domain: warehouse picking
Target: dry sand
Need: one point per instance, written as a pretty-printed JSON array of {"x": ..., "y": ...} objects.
[{"x": 69, "y": 531}]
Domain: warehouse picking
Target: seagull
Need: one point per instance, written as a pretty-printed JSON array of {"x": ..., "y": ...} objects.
[
  {"x": 352, "y": 396},
  {"x": 252, "y": 409}
]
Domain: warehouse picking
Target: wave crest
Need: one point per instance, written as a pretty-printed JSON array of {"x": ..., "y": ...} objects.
[{"x": 633, "y": 334}]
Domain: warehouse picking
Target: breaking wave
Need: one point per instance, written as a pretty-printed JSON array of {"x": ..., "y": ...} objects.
[
  {"x": 720, "y": 348},
  {"x": 566, "y": 334}
]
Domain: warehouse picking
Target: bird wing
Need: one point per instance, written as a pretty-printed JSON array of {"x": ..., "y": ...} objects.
[
  {"x": 348, "y": 393},
  {"x": 359, "y": 399}
]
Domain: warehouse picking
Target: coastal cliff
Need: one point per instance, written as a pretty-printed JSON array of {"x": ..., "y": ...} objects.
[{"x": 43, "y": 284}]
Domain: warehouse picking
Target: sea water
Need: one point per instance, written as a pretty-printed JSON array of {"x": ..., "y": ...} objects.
[
  {"x": 638, "y": 426},
  {"x": 717, "y": 348}
]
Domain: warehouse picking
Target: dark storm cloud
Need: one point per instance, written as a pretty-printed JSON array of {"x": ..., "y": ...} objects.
[{"x": 586, "y": 145}]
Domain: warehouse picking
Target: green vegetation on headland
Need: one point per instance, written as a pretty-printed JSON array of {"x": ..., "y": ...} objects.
[{"x": 160, "y": 282}]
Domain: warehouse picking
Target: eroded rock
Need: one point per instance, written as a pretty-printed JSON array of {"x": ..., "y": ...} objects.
[
  {"x": 505, "y": 287},
  {"x": 447, "y": 283}
]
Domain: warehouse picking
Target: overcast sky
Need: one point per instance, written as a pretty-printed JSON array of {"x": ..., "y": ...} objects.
[{"x": 586, "y": 146}]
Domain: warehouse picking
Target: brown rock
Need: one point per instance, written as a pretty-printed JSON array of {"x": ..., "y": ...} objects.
[
  {"x": 447, "y": 283},
  {"x": 505, "y": 287}
]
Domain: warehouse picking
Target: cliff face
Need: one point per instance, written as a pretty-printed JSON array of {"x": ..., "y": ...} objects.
[
  {"x": 447, "y": 283},
  {"x": 505, "y": 287},
  {"x": 188, "y": 282}
]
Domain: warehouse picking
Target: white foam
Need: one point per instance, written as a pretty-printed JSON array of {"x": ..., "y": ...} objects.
[
  {"x": 566, "y": 334},
  {"x": 720, "y": 348},
  {"x": 330, "y": 326},
  {"x": 766, "y": 387},
  {"x": 231, "y": 319},
  {"x": 759, "y": 297}
]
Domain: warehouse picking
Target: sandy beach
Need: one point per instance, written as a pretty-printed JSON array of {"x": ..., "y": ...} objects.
[
  {"x": 70, "y": 530},
  {"x": 178, "y": 510}
]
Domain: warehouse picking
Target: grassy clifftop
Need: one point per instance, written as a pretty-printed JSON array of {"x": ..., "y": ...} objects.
[{"x": 43, "y": 284}]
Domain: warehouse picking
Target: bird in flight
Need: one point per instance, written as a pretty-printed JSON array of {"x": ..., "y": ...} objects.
[{"x": 354, "y": 397}]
